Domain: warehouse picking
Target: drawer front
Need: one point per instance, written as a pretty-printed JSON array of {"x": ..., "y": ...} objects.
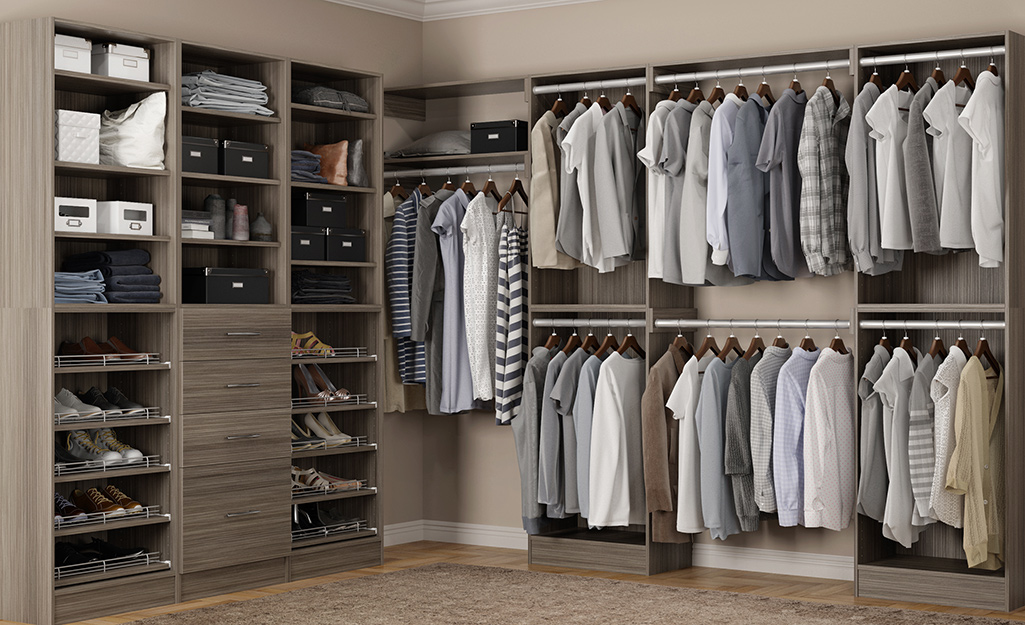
[
  {"x": 235, "y": 516},
  {"x": 234, "y": 578},
  {"x": 128, "y": 594},
  {"x": 344, "y": 556},
  {"x": 232, "y": 437},
  {"x": 232, "y": 385},
  {"x": 218, "y": 334}
]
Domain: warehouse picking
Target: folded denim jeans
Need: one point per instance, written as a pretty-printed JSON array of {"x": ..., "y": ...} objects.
[
  {"x": 307, "y": 176},
  {"x": 123, "y": 297}
]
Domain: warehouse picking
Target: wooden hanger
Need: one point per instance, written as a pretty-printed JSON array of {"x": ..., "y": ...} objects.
[
  {"x": 559, "y": 109},
  {"x": 795, "y": 84},
  {"x": 572, "y": 344},
  {"x": 992, "y": 66},
  {"x": 448, "y": 186},
  {"x": 764, "y": 92},
  {"x": 961, "y": 343},
  {"x": 490, "y": 188},
  {"x": 982, "y": 350},
  {"x": 399, "y": 192},
  {"x": 515, "y": 189},
  {"x": 807, "y": 343},
  {"x": 610, "y": 342},
  {"x": 681, "y": 343},
  {"x": 741, "y": 91},
  {"x": 827, "y": 82},
  {"x": 630, "y": 342},
  {"x": 757, "y": 346},
  {"x": 779, "y": 341},
  {"x": 553, "y": 341},
  {"x": 717, "y": 95},
  {"x": 907, "y": 345},
  {"x": 695, "y": 94},
  {"x": 675, "y": 95},
  {"x": 937, "y": 348},
  {"x": 885, "y": 343},
  {"x": 732, "y": 345},
  {"x": 590, "y": 343},
  {"x": 586, "y": 101},
  {"x": 706, "y": 345},
  {"x": 467, "y": 187},
  {"x": 837, "y": 343},
  {"x": 907, "y": 81},
  {"x": 964, "y": 75},
  {"x": 424, "y": 188},
  {"x": 630, "y": 102},
  {"x": 603, "y": 100},
  {"x": 937, "y": 73}
]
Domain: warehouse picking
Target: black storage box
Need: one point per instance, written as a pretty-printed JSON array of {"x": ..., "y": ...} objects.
[
  {"x": 308, "y": 243},
  {"x": 318, "y": 209},
  {"x": 250, "y": 160},
  {"x": 503, "y": 136},
  {"x": 199, "y": 155},
  {"x": 213, "y": 285},
  {"x": 347, "y": 245}
]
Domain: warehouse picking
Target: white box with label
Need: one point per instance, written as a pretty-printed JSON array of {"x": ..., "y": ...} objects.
[
  {"x": 124, "y": 218},
  {"x": 72, "y": 53},
  {"x": 72, "y": 214},
  {"x": 119, "y": 60},
  {"x": 77, "y": 137}
]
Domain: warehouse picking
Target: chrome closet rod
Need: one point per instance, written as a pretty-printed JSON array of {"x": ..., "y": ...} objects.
[
  {"x": 592, "y": 85},
  {"x": 939, "y": 55},
  {"x": 918, "y": 324},
  {"x": 799, "y": 324},
  {"x": 589, "y": 323},
  {"x": 738, "y": 72},
  {"x": 455, "y": 171}
]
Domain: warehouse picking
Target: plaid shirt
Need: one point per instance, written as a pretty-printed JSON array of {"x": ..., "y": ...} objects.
[{"x": 824, "y": 183}]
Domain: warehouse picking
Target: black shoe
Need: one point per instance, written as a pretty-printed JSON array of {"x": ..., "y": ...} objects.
[
  {"x": 304, "y": 519},
  {"x": 66, "y": 554},
  {"x": 62, "y": 455},
  {"x": 108, "y": 551},
  {"x": 127, "y": 406},
  {"x": 94, "y": 397}
]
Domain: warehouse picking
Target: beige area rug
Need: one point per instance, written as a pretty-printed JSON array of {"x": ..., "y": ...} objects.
[{"x": 461, "y": 595}]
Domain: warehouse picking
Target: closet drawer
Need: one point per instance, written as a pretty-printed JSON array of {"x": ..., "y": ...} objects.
[
  {"x": 234, "y": 578},
  {"x": 230, "y": 437},
  {"x": 327, "y": 559},
  {"x": 218, "y": 334},
  {"x": 231, "y": 385},
  {"x": 126, "y": 594},
  {"x": 235, "y": 514}
]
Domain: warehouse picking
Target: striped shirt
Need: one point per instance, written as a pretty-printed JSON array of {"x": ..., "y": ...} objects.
[
  {"x": 511, "y": 323},
  {"x": 788, "y": 436},
  {"x": 921, "y": 455},
  {"x": 763, "y": 406},
  {"x": 399, "y": 271}
]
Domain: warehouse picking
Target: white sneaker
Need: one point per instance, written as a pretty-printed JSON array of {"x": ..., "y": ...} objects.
[
  {"x": 72, "y": 401},
  {"x": 83, "y": 448},
  {"x": 63, "y": 412},
  {"x": 104, "y": 438}
]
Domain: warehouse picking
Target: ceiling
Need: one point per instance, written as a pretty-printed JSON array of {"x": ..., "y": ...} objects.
[{"x": 432, "y": 10}]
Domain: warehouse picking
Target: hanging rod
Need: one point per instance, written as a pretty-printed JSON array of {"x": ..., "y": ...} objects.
[
  {"x": 454, "y": 171},
  {"x": 921, "y": 57},
  {"x": 917, "y": 324},
  {"x": 589, "y": 323},
  {"x": 763, "y": 70},
  {"x": 801, "y": 324},
  {"x": 592, "y": 85}
]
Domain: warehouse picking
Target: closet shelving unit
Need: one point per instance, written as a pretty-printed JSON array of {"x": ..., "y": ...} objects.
[{"x": 216, "y": 482}]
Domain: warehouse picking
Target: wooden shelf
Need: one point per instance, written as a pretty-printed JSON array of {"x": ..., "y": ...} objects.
[
  {"x": 932, "y": 308},
  {"x": 88, "y": 170},
  {"x": 75, "y": 580},
  {"x": 164, "y": 366},
  {"x": 322, "y": 114},
  {"x": 95, "y": 84},
  {"x": 114, "y": 308},
  {"x": 334, "y": 361},
  {"x": 617, "y": 536},
  {"x": 332, "y": 263},
  {"x": 595, "y": 310},
  {"x": 337, "y": 408},
  {"x": 230, "y": 243},
  {"x": 345, "y": 494},
  {"x": 127, "y": 521},
  {"x": 109, "y": 475},
  {"x": 194, "y": 179},
  {"x": 455, "y": 160},
  {"x": 317, "y": 186},
  {"x": 337, "y": 538},
  {"x": 224, "y": 119},
  {"x": 337, "y": 451},
  {"x": 101, "y": 236},
  {"x": 117, "y": 423},
  {"x": 460, "y": 89},
  {"x": 336, "y": 308},
  {"x": 925, "y": 563}
]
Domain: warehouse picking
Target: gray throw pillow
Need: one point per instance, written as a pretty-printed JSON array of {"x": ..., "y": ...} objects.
[{"x": 357, "y": 172}]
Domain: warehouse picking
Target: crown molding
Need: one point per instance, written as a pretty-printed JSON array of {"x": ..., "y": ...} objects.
[{"x": 434, "y": 10}]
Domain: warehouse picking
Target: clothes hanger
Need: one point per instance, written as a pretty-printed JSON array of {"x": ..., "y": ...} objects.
[
  {"x": 937, "y": 72},
  {"x": 779, "y": 340},
  {"x": 553, "y": 341},
  {"x": 909, "y": 347},
  {"x": 717, "y": 95},
  {"x": 490, "y": 188},
  {"x": 630, "y": 102},
  {"x": 680, "y": 342},
  {"x": 398, "y": 191},
  {"x": 992, "y": 65},
  {"x": 630, "y": 342},
  {"x": 468, "y": 187},
  {"x": 907, "y": 79},
  {"x": 603, "y": 100},
  {"x": 740, "y": 91},
  {"x": 795, "y": 84},
  {"x": 937, "y": 348},
  {"x": 695, "y": 94},
  {"x": 675, "y": 95},
  {"x": 424, "y": 189},
  {"x": 590, "y": 343},
  {"x": 559, "y": 109},
  {"x": 876, "y": 80},
  {"x": 765, "y": 91},
  {"x": 828, "y": 84},
  {"x": 572, "y": 344},
  {"x": 982, "y": 350},
  {"x": 757, "y": 345},
  {"x": 837, "y": 343},
  {"x": 732, "y": 345},
  {"x": 515, "y": 189},
  {"x": 807, "y": 343},
  {"x": 707, "y": 344},
  {"x": 448, "y": 186},
  {"x": 961, "y": 343},
  {"x": 885, "y": 342},
  {"x": 964, "y": 75},
  {"x": 610, "y": 342},
  {"x": 586, "y": 101}
]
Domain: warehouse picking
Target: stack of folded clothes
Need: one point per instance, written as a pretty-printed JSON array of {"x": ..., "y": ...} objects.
[
  {"x": 210, "y": 90},
  {"x": 330, "y": 98},
  {"x": 78, "y": 287},
  {"x": 320, "y": 288},
  {"x": 126, "y": 278},
  {"x": 306, "y": 167}
]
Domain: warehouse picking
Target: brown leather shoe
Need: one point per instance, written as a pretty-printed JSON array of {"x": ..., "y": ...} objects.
[
  {"x": 93, "y": 501},
  {"x": 130, "y": 505},
  {"x": 118, "y": 347},
  {"x": 89, "y": 346}
]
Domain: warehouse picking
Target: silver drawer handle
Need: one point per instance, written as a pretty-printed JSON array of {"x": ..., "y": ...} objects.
[
  {"x": 250, "y": 385},
  {"x": 238, "y": 437},
  {"x": 243, "y": 334},
  {"x": 233, "y": 515}
]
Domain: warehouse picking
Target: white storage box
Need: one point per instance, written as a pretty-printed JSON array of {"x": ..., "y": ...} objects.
[
  {"x": 72, "y": 214},
  {"x": 119, "y": 60},
  {"x": 124, "y": 218},
  {"x": 72, "y": 53},
  {"x": 77, "y": 137}
]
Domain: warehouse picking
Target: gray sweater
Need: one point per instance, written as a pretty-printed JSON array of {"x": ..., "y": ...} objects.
[
  {"x": 526, "y": 427},
  {"x": 923, "y": 208},
  {"x": 737, "y": 452}
]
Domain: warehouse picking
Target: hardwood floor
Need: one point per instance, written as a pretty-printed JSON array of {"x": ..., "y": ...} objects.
[{"x": 420, "y": 553}]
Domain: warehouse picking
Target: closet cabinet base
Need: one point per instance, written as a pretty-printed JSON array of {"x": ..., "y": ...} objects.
[
  {"x": 234, "y": 578},
  {"x": 115, "y": 596},
  {"x": 963, "y": 590},
  {"x": 584, "y": 553},
  {"x": 328, "y": 559}
]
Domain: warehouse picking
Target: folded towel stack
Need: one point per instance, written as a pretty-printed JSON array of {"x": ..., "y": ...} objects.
[
  {"x": 78, "y": 287},
  {"x": 210, "y": 90},
  {"x": 125, "y": 277},
  {"x": 321, "y": 288},
  {"x": 306, "y": 167}
]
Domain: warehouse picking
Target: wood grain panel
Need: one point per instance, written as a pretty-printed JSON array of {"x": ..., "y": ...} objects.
[
  {"x": 938, "y": 587},
  {"x": 234, "y": 578},
  {"x": 589, "y": 554},
  {"x": 327, "y": 559},
  {"x": 213, "y": 386},
  {"x": 233, "y": 437},
  {"x": 219, "y": 334},
  {"x": 78, "y": 603}
]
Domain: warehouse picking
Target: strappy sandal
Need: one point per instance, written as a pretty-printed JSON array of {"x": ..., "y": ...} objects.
[
  {"x": 310, "y": 478},
  {"x": 307, "y": 388},
  {"x": 309, "y": 345},
  {"x": 324, "y": 383}
]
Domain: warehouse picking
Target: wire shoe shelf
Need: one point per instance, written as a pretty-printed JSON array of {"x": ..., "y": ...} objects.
[
  {"x": 110, "y": 416},
  {"x": 106, "y": 360},
  {"x": 299, "y": 492},
  {"x": 91, "y": 466},
  {"x": 111, "y": 565},
  {"x": 357, "y": 441},
  {"x": 320, "y": 402},
  {"x": 326, "y": 531},
  {"x": 97, "y": 519},
  {"x": 339, "y": 352}
]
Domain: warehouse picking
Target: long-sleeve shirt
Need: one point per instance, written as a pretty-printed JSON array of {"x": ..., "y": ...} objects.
[
  {"x": 763, "y": 406},
  {"x": 399, "y": 268},
  {"x": 947, "y": 507},
  {"x": 737, "y": 454},
  {"x": 684, "y": 403},
  {"x": 651, "y": 157},
  {"x": 874, "y": 479},
  {"x": 920, "y": 174},
  {"x": 544, "y": 195},
  {"x": 619, "y": 137},
  {"x": 550, "y": 474},
  {"x": 720, "y": 140},
  {"x": 564, "y": 397},
  {"x": 526, "y": 429},
  {"x": 583, "y": 412},
  {"x": 717, "y": 506},
  {"x": 788, "y": 436},
  {"x": 921, "y": 458}
]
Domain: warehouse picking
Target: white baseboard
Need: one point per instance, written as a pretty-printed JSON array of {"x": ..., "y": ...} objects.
[{"x": 706, "y": 555}]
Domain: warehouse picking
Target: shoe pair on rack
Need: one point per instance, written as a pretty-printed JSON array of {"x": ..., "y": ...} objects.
[
  {"x": 311, "y": 478},
  {"x": 314, "y": 383},
  {"x": 111, "y": 501},
  {"x": 307, "y": 344},
  {"x": 306, "y": 516},
  {"x": 319, "y": 430},
  {"x": 69, "y": 553},
  {"x": 100, "y": 445},
  {"x": 93, "y": 403},
  {"x": 112, "y": 349}
]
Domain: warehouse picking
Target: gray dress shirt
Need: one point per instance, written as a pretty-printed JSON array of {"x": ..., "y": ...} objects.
[
  {"x": 564, "y": 394},
  {"x": 617, "y": 172},
  {"x": 763, "y": 406},
  {"x": 923, "y": 207},
  {"x": 863, "y": 195},
  {"x": 874, "y": 476},
  {"x": 550, "y": 471},
  {"x": 583, "y": 412},
  {"x": 569, "y": 235},
  {"x": 717, "y": 505},
  {"x": 737, "y": 454},
  {"x": 675, "y": 138},
  {"x": 526, "y": 427}
]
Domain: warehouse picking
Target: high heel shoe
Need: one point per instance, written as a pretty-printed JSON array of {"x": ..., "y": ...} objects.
[
  {"x": 317, "y": 429},
  {"x": 328, "y": 424},
  {"x": 308, "y": 344},
  {"x": 324, "y": 383},
  {"x": 307, "y": 388},
  {"x": 301, "y": 440}
]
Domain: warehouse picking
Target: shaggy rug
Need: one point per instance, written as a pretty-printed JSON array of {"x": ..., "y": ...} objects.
[{"x": 461, "y": 595}]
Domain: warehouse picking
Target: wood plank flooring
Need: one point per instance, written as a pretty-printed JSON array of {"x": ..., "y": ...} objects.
[{"x": 420, "y": 553}]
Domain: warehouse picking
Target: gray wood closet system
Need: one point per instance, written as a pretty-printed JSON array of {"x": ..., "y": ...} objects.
[
  {"x": 224, "y": 378},
  {"x": 947, "y": 287}
]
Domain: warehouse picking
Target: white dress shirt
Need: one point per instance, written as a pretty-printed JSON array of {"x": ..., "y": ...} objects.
[
  {"x": 651, "y": 157},
  {"x": 683, "y": 401},
  {"x": 983, "y": 120},
  {"x": 889, "y": 128},
  {"x": 719, "y": 143}
]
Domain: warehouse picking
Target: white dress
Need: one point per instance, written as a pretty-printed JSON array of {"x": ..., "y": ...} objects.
[{"x": 480, "y": 291}]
